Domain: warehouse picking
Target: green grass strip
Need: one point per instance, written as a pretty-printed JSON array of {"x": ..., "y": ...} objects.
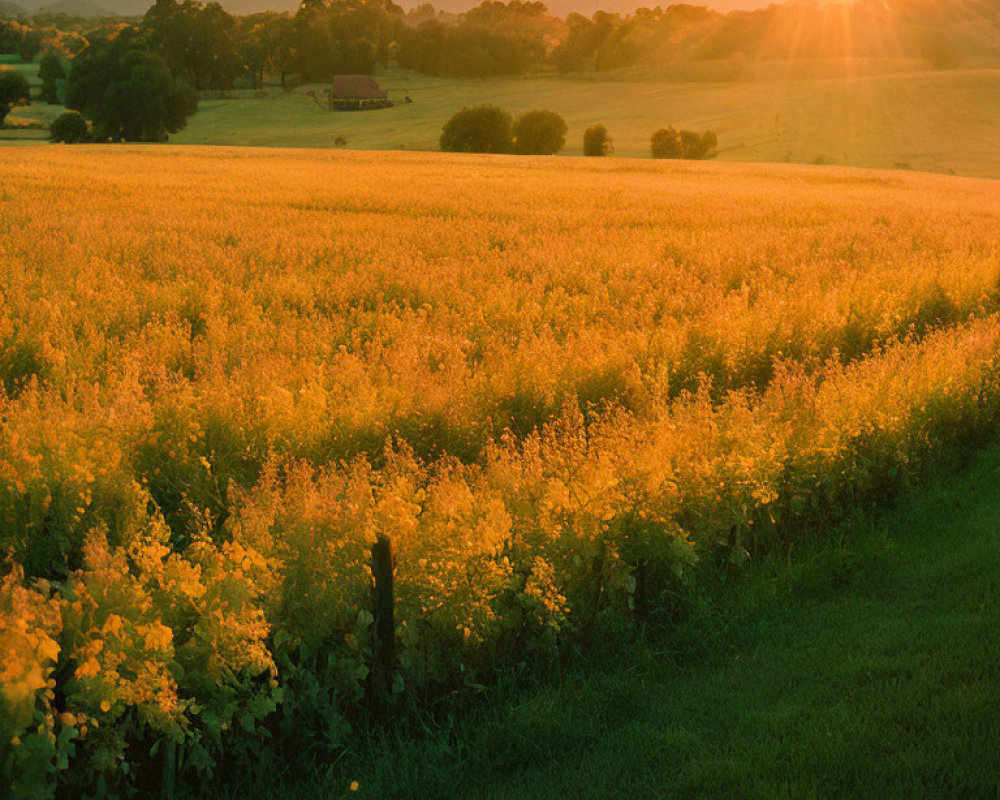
[{"x": 866, "y": 666}]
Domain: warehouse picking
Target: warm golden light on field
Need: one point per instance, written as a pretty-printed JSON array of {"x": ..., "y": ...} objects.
[
  {"x": 499, "y": 399},
  {"x": 544, "y": 385}
]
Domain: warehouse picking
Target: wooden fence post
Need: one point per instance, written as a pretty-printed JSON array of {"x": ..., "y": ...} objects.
[
  {"x": 384, "y": 627},
  {"x": 168, "y": 788}
]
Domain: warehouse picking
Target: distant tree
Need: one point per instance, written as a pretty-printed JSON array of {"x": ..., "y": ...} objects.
[
  {"x": 51, "y": 72},
  {"x": 690, "y": 145},
  {"x": 264, "y": 43},
  {"x": 198, "y": 43},
  {"x": 468, "y": 49},
  {"x": 14, "y": 89},
  {"x": 480, "y": 129},
  {"x": 710, "y": 144},
  {"x": 493, "y": 14},
  {"x": 583, "y": 38},
  {"x": 421, "y": 13},
  {"x": 597, "y": 142},
  {"x": 699, "y": 147},
  {"x": 671, "y": 143},
  {"x": 539, "y": 133},
  {"x": 567, "y": 60},
  {"x": 64, "y": 44},
  {"x": 31, "y": 43},
  {"x": 666, "y": 143},
  {"x": 343, "y": 37},
  {"x": 70, "y": 128},
  {"x": 11, "y": 33},
  {"x": 128, "y": 92}
]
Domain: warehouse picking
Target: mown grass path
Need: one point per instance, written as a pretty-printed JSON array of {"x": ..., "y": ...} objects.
[{"x": 868, "y": 667}]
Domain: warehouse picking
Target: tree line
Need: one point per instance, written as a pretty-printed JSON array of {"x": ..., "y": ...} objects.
[
  {"x": 208, "y": 48},
  {"x": 139, "y": 78},
  {"x": 490, "y": 129}
]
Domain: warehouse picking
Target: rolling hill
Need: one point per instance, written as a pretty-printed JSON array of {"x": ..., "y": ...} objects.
[
  {"x": 925, "y": 120},
  {"x": 10, "y": 10},
  {"x": 79, "y": 8}
]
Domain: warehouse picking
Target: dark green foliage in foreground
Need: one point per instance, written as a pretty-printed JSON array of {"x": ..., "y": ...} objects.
[
  {"x": 127, "y": 92},
  {"x": 864, "y": 665},
  {"x": 480, "y": 129},
  {"x": 21, "y": 361},
  {"x": 13, "y": 90},
  {"x": 70, "y": 128},
  {"x": 597, "y": 142},
  {"x": 539, "y": 133}
]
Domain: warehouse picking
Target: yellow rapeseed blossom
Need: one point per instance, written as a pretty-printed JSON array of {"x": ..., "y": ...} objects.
[{"x": 523, "y": 385}]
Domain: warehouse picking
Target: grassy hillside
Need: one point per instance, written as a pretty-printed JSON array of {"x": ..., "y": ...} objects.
[
  {"x": 26, "y": 124},
  {"x": 863, "y": 666},
  {"x": 76, "y": 8},
  {"x": 936, "y": 121},
  {"x": 888, "y": 115}
]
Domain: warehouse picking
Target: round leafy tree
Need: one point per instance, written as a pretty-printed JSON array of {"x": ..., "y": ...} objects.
[
  {"x": 70, "y": 128},
  {"x": 666, "y": 143},
  {"x": 480, "y": 129},
  {"x": 128, "y": 93},
  {"x": 703, "y": 146},
  {"x": 597, "y": 142},
  {"x": 539, "y": 133},
  {"x": 13, "y": 90},
  {"x": 51, "y": 71},
  {"x": 671, "y": 143}
]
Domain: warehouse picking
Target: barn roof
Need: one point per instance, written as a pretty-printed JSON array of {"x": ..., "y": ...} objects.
[{"x": 357, "y": 87}]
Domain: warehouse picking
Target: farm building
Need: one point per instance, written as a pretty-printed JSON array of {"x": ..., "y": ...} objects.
[{"x": 356, "y": 92}]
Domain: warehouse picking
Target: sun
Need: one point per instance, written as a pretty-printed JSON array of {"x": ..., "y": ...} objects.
[{"x": 839, "y": 32}]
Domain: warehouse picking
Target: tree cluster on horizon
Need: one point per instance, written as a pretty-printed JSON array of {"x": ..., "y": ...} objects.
[
  {"x": 208, "y": 47},
  {"x": 490, "y": 129},
  {"x": 671, "y": 143},
  {"x": 204, "y": 47},
  {"x": 128, "y": 92}
]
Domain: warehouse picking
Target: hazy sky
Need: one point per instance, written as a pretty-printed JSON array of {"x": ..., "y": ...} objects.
[
  {"x": 730, "y": 5},
  {"x": 588, "y": 7},
  {"x": 558, "y": 7}
]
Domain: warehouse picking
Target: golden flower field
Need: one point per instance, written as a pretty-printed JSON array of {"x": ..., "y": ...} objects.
[{"x": 557, "y": 387}]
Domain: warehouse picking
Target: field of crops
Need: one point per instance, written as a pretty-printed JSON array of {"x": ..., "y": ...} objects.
[{"x": 556, "y": 388}]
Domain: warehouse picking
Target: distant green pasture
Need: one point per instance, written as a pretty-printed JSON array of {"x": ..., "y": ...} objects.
[
  {"x": 938, "y": 121},
  {"x": 15, "y": 131},
  {"x": 935, "y": 121}
]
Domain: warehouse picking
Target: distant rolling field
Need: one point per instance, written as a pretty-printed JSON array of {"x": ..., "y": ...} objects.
[{"x": 934, "y": 121}]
